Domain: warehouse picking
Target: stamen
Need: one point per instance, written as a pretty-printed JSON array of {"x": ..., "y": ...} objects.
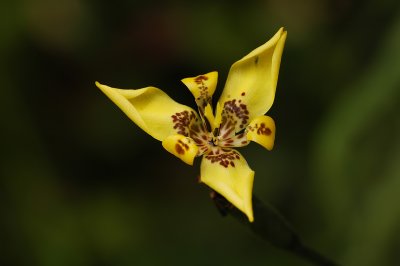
[{"x": 216, "y": 132}]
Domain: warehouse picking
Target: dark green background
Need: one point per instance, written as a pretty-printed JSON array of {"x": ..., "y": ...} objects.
[{"x": 82, "y": 185}]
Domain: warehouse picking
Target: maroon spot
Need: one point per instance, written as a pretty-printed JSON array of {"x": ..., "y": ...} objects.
[
  {"x": 228, "y": 132},
  {"x": 263, "y": 130},
  {"x": 236, "y": 112},
  {"x": 182, "y": 144},
  {"x": 197, "y": 140},
  {"x": 225, "y": 158},
  {"x": 256, "y": 60},
  {"x": 200, "y": 79},
  {"x": 182, "y": 122},
  {"x": 179, "y": 149},
  {"x": 243, "y": 94}
]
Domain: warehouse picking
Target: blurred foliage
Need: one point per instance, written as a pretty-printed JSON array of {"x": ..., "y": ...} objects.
[{"x": 81, "y": 185}]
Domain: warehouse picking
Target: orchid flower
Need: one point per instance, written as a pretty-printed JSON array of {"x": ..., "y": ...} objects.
[{"x": 238, "y": 119}]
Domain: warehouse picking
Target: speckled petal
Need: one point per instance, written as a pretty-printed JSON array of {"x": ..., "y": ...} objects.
[
  {"x": 202, "y": 87},
  {"x": 227, "y": 172},
  {"x": 182, "y": 147},
  {"x": 250, "y": 88},
  {"x": 262, "y": 131}
]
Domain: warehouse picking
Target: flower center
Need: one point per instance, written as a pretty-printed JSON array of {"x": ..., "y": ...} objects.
[
  {"x": 213, "y": 142},
  {"x": 211, "y": 132}
]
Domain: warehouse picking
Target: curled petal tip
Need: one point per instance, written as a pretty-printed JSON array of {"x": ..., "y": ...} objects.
[
  {"x": 98, "y": 84},
  {"x": 262, "y": 130}
]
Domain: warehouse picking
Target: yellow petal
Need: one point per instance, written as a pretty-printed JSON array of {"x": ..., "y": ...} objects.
[
  {"x": 227, "y": 172},
  {"x": 202, "y": 87},
  {"x": 182, "y": 147},
  {"x": 153, "y": 110},
  {"x": 262, "y": 131},
  {"x": 251, "y": 83}
]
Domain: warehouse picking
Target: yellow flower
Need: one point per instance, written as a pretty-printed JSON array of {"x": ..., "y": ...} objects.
[{"x": 238, "y": 119}]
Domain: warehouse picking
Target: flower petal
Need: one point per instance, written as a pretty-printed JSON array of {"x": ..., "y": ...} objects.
[
  {"x": 153, "y": 111},
  {"x": 251, "y": 83},
  {"x": 262, "y": 130},
  {"x": 227, "y": 172},
  {"x": 202, "y": 87},
  {"x": 182, "y": 147}
]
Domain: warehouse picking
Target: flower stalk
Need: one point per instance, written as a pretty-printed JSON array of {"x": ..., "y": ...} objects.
[{"x": 270, "y": 225}]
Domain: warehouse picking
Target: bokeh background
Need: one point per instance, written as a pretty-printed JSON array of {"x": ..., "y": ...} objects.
[{"x": 82, "y": 185}]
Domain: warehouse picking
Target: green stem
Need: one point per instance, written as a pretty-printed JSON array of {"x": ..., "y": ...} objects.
[{"x": 270, "y": 225}]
